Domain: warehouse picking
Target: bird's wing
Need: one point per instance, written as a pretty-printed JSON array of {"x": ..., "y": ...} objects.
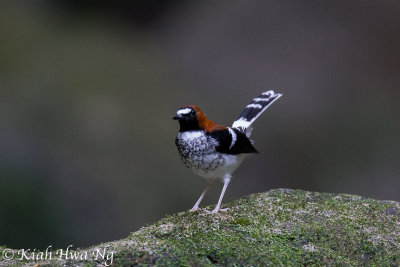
[{"x": 232, "y": 141}]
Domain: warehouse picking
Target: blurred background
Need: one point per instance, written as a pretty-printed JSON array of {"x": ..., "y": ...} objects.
[{"x": 88, "y": 90}]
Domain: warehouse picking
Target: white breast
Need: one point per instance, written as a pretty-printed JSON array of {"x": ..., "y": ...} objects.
[{"x": 189, "y": 135}]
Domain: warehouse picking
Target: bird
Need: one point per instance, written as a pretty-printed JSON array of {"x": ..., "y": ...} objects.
[{"x": 214, "y": 151}]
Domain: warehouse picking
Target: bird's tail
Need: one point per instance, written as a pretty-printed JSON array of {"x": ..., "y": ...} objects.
[{"x": 254, "y": 110}]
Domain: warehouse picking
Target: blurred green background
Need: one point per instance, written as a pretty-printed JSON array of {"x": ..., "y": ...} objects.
[{"x": 88, "y": 90}]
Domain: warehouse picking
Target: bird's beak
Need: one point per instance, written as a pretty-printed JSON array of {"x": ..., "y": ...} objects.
[{"x": 176, "y": 117}]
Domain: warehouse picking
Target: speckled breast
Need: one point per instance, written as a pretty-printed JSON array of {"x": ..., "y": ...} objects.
[{"x": 197, "y": 151}]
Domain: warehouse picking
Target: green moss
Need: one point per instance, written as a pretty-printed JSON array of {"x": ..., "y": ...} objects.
[{"x": 280, "y": 227}]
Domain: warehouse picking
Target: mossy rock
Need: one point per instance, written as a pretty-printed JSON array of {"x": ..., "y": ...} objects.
[{"x": 280, "y": 227}]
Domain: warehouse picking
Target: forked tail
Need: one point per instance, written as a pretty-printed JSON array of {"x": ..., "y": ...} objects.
[{"x": 254, "y": 110}]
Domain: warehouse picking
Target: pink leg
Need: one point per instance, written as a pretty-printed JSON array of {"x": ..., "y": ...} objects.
[
  {"x": 196, "y": 206},
  {"x": 227, "y": 179}
]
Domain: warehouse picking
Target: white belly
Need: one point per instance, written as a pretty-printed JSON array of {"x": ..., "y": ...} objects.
[
  {"x": 198, "y": 153},
  {"x": 231, "y": 163}
]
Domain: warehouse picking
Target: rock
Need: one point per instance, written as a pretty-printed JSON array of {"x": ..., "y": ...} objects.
[{"x": 280, "y": 227}]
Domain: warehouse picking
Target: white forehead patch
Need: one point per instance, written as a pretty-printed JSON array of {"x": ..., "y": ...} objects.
[{"x": 184, "y": 111}]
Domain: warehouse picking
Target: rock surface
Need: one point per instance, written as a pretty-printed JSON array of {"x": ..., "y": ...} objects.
[{"x": 279, "y": 227}]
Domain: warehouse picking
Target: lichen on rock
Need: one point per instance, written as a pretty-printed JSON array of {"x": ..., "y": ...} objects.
[{"x": 279, "y": 227}]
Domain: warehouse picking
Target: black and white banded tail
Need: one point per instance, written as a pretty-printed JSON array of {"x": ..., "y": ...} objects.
[{"x": 255, "y": 109}]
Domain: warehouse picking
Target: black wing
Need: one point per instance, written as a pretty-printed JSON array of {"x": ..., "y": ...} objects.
[{"x": 241, "y": 143}]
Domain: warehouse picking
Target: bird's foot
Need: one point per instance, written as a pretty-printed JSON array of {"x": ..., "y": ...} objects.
[
  {"x": 219, "y": 210},
  {"x": 194, "y": 209}
]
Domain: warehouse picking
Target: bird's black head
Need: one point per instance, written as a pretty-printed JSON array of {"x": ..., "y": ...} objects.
[
  {"x": 187, "y": 117},
  {"x": 186, "y": 114}
]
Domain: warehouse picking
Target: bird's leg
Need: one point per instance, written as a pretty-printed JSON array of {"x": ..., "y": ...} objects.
[
  {"x": 227, "y": 179},
  {"x": 196, "y": 206}
]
